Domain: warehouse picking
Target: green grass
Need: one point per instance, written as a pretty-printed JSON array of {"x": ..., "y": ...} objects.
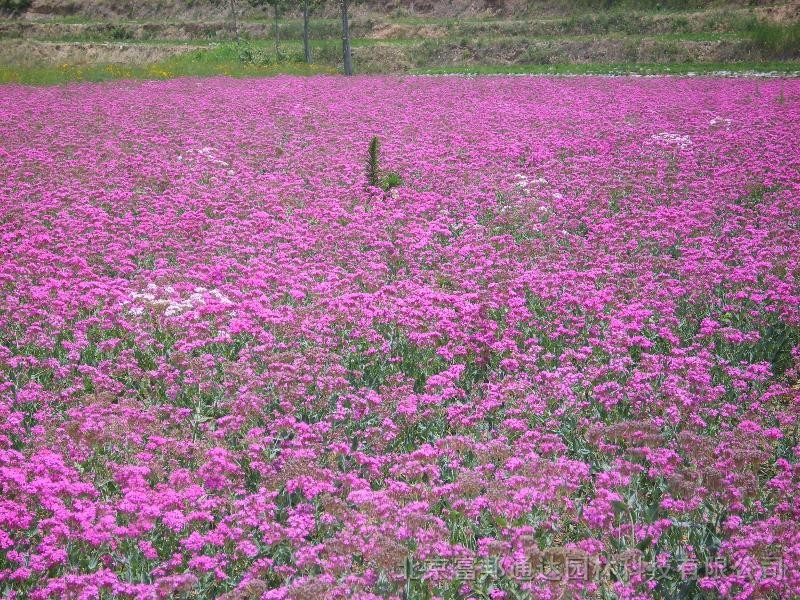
[
  {"x": 616, "y": 69},
  {"x": 294, "y": 45},
  {"x": 99, "y": 39},
  {"x": 193, "y": 64},
  {"x": 189, "y": 68}
]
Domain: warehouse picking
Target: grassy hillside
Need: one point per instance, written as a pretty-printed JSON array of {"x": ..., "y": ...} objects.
[
  {"x": 206, "y": 9},
  {"x": 97, "y": 39}
]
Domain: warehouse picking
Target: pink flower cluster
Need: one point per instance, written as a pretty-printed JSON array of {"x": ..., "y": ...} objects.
[{"x": 228, "y": 368}]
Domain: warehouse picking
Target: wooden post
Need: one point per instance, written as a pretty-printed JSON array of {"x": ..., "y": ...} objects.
[
  {"x": 347, "y": 54},
  {"x": 306, "y": 45}
]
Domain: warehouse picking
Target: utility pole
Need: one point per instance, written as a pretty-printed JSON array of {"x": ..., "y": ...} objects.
[
  {"x": 306, "y": 44},
  {"x": 276, "y": 8},
  {"x": 348, "y": 56}
]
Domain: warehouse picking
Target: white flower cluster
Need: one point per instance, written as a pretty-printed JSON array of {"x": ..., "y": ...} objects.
[
  {"x": 175, "y": 306},
  {"x": 672, "y": 139},
  {"x": 720, "y": 121},
  {"x": 524, "y": 183},
  {"x": 207, "y": 154}
]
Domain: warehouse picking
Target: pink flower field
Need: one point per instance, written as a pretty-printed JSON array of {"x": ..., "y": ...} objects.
[{"x": 559, "y": 360}]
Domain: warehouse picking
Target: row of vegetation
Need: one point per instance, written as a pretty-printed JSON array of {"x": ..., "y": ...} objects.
[
  {"x": 183, "y": 67},
  {"x": 324, "y": 28}
]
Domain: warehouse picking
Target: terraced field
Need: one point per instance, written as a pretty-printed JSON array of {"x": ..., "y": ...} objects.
[{"x": 51, "y": 47}]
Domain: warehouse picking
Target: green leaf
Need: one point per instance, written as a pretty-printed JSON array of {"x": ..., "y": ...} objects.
[{"x": 619, "y": 507}]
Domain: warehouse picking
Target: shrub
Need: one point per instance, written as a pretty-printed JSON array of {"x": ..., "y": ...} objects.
[
  {"x": 375, "y": 176},
  {"x": 776, "y": 41},
  {"x": 14, "y": 6},
  {"x": 373, "y": 162},
  {"x": 120, "y": 33},
  {"x": 391, "y": 180}
]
